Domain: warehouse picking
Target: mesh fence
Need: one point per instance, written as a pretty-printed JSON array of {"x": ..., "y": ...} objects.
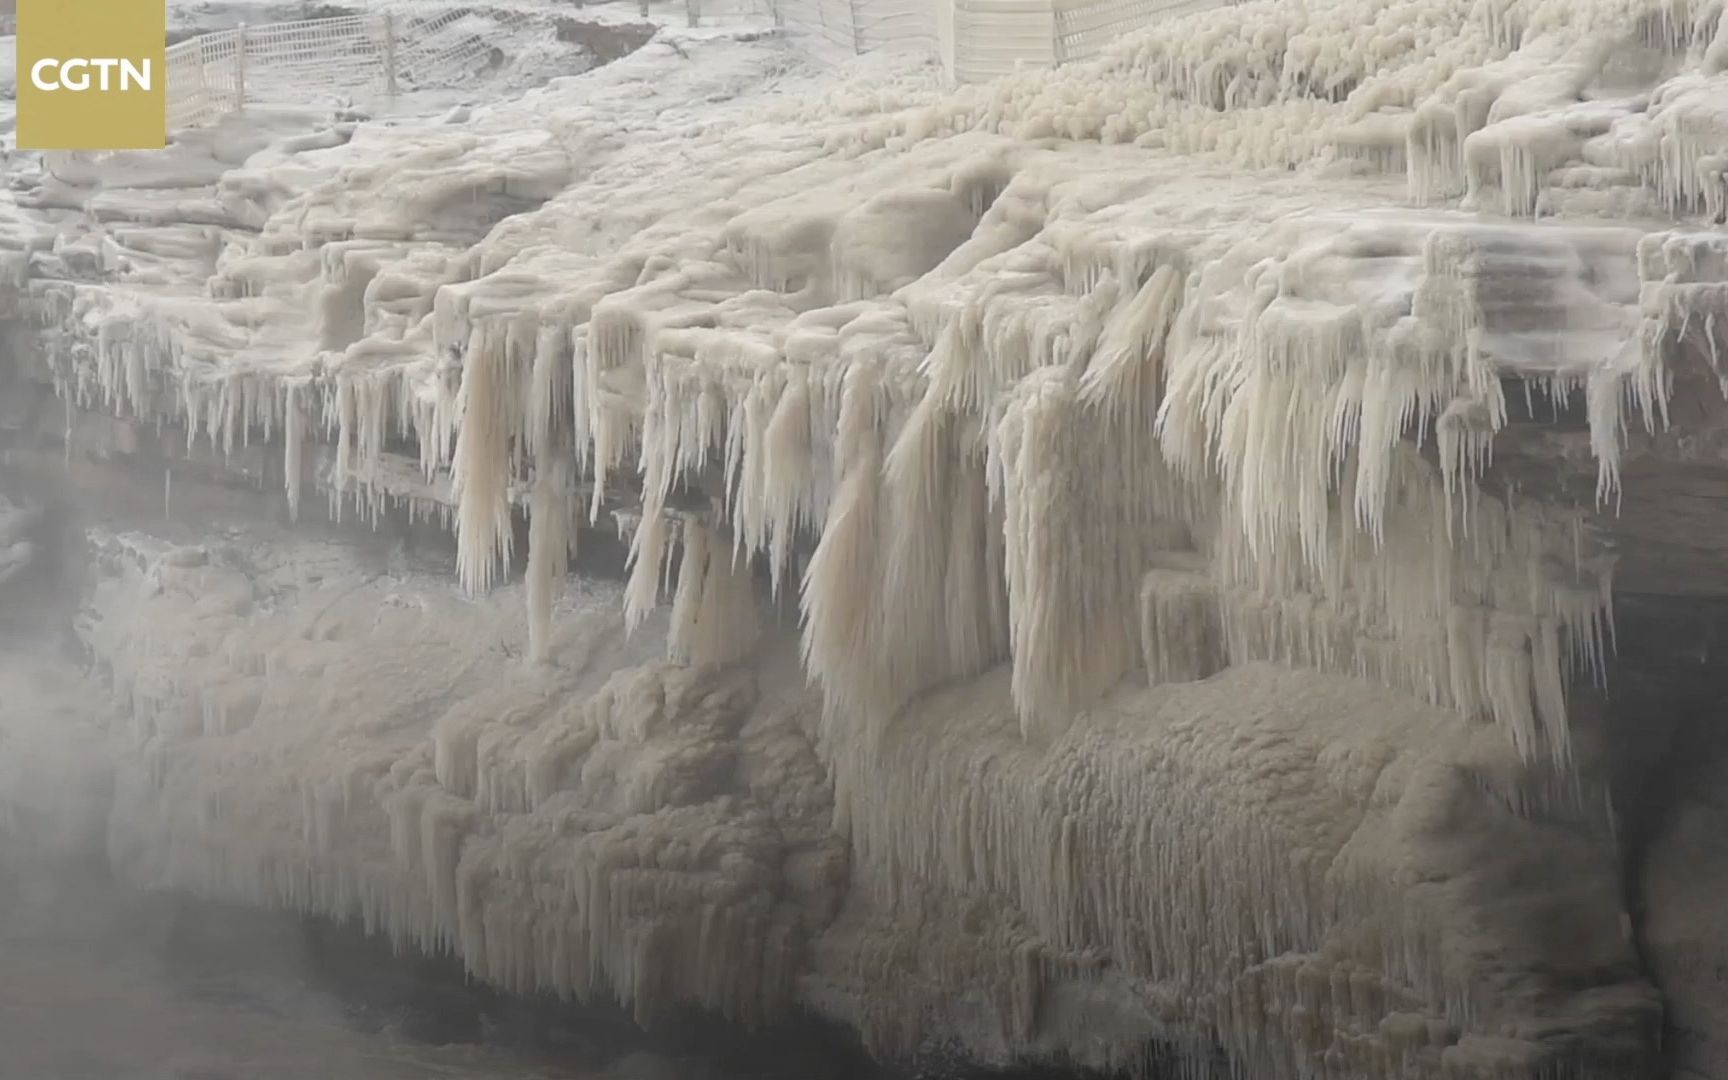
[
  {"x": 327, "y": 52},
  {"x": 204, "y": 79},
  {"x": 1084, "y": 30},
  {"x": 888, "y": 24},
  {"x": 292, "y": 63},
  {"x": 441, "y": 48},
  {"x": 833, "y": 21},
  {"x": 979, "y": 40},
  {"x": 993, "y": 37}
]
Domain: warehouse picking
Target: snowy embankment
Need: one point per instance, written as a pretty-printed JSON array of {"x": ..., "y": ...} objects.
[
  {"x": 8, "y": 87},
  {"x": 1155, "y": 685}
]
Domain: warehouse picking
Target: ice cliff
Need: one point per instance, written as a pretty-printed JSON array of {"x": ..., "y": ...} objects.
[{"x": 1074, "y": 603}]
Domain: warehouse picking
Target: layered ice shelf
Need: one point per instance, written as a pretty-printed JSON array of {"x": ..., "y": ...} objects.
[{"x": 1117, "y": 434}]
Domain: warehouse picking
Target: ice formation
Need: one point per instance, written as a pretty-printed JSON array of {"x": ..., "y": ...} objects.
[
  {"x": 299, "y": 733},
  {"x": 16, "y": 547},
  {"x": 1117, "y": 434},
  {"x": 583, "y": 829}
]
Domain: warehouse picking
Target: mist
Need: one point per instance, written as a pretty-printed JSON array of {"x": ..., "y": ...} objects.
[{"x": 103, "y": 978}]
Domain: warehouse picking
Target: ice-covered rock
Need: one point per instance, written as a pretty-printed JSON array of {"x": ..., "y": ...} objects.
[{"x": 16, "y": 546}]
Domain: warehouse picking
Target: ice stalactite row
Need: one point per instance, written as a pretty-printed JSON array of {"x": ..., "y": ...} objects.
[
  {"x": 1005, "y": 389},
  {"x": 991, "y": 471},
  {"x": 984, "y": 463},
  {"x": 1047, "y": 404}
]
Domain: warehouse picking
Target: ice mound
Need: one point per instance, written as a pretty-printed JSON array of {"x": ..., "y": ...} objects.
[
  {"x": 611, "y": 824},
  {"x": 1273, "y": 873}
]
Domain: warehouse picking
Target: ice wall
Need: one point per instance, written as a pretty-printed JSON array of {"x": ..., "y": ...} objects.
[{"x": 1156, "y": 371}]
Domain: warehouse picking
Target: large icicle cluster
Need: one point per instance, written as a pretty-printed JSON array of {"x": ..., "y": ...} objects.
[{"x": 1022, "y": 397}]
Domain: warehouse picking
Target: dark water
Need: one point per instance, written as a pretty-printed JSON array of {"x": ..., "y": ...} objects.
[
  {"x": 97, "y": 983},
  {"x": 93, "y": 987}
]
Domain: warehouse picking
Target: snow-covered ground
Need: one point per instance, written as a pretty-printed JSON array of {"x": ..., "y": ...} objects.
[
  {"x": 8, "y": 89},
  {"x": 536, "y": 41}
]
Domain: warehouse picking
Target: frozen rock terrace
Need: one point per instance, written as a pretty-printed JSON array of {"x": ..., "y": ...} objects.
[{"x": 1119, "y": 558}]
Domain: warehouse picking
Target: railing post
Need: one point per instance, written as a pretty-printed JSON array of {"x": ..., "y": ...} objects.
[
  {"x": 240, "y": 67},
  {"x": 947, "y": 35},
  {"x": 390, "y": 54}
]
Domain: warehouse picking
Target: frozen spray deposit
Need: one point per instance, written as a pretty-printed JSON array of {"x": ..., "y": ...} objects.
[{"x": 1060, "y": 563}]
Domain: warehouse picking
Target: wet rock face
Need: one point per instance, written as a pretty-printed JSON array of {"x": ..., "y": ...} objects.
[
  {"x": 1686, "y": 924},
  {"x": 1668, "y": 761},
  {"x": 1667, "y": 750},
  {"x": 1671, "y": 753},
  {"x": 606, "y": 41}
]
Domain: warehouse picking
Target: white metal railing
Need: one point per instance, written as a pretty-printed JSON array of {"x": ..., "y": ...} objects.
[
  {"x": 992, "y": 37},
  {"x": 216, "y": 74},
  {"x": 205, "y": 79}
]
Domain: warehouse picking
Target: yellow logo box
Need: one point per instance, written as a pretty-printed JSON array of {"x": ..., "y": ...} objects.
[{"x": 92, "y": 74}]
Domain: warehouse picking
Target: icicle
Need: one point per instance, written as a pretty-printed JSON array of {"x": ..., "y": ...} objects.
[
  {"x": 840, "y": 640},
  {"x": 648, "y": 552},
  {"x": 293, "y": 448},
  {"x": 787, "y": 480},
  {"x": 549, "y": 544},
  {"x": 1510, "y": 680},
  {"x": 480, "y": 481}
]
